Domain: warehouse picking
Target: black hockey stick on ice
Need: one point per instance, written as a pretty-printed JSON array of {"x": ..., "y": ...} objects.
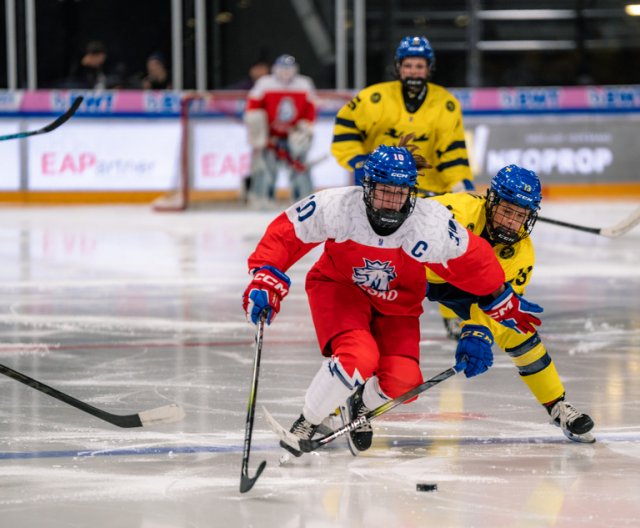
[
  {"x": 246, "y": 482},
  {"x": 306, "y": 446},
  {"x": 619, "y": 229},
  {"x": 159, "y": 415},
  {"x": 51, "y": 126}
]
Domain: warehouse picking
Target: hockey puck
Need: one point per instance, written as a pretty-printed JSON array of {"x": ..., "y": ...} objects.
[{"x": 423, "y": 486}]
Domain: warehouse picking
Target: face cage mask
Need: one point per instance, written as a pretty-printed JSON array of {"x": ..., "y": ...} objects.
[
  {"x": 414, "y": 85},
  {"x": 502, "y": 234},
  {"x": 285, "y": 74},
  {"x": 385, "y": 221}
]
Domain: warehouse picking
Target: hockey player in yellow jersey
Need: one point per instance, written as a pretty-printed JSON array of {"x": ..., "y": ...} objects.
[
  {"x": 382, "y": 113},
  {"x": 505, "y": 218}
]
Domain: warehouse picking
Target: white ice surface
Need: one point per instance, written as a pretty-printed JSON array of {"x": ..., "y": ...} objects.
[{"x": 130, "y": 310}]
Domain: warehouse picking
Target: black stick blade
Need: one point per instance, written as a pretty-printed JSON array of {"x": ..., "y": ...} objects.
[
  {"x": 166, "y": 414},
  {"x": 64, "y": 117},
  {"x": 51, "y": 126},
  {"x": 246, "y": 482}
]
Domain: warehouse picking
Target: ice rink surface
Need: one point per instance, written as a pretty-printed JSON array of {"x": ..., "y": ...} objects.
[{"x": 130, "y": 310}]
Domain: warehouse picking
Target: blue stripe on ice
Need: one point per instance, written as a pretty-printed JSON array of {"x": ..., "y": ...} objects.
[{"x": 388, "y": 442}]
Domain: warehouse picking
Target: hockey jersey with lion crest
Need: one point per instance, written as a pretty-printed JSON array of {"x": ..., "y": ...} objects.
[
  {"x": 389, "y": 269},
  {"x": 377, "y": 115}
]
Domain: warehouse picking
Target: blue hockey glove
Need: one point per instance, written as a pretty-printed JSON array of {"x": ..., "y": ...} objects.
[
  {"x": 265, "y": 292},
  {"x": 509, "y": 309},
  {"x": 474, "y": 347},
  {"x": 357, "y": 164}
]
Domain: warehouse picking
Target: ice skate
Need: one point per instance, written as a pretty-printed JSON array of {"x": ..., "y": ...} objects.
[
  {"x": 575, "y": 425},
  {"x": 452, "y": 327},
  {"x": 302, "y": 429},
  {"x": 361, "y": 438}
]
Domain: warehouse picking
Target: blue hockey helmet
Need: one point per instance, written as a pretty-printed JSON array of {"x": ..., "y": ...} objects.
[
  {"x": 391, "y": 166},
  {"x": 514, "y": 186},
  {"x": 389, "y": 183},
  {"x": 415, "y": 47}
]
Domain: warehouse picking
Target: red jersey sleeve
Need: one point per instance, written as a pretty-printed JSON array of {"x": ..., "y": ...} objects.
[
  {"x": 478, "y": 260},
  {"x": 310, "y": 111},
  {"x": 279, "y": 246}
]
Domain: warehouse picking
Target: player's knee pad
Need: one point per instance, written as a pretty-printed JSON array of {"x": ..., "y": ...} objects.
[
  {"x": 257, "y": 128},
  {"x": 530, "y": 356},
  {"x": 545, "y": 384},
  {"x": 356, "y": 350},
  {"x": 398, "y": 374},
  {"x": 301, "y": 185}
]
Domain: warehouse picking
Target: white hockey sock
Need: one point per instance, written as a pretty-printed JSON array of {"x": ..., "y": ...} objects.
[
  {"x": 330, "y": 387},
  {"x": 373, "y": 396}
]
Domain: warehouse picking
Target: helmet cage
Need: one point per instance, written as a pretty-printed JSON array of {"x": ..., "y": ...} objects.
[
  {"x": 388, "y": 206},
  {"x": 389, "y": 184},
  {"x": 415, "y": 47},
  {"x": 519, "y": 187},
  {"x": 285, "y": 68},
  {"x": 496, "y": 208}
]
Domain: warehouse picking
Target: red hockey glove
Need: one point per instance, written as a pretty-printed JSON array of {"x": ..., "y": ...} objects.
[
  {"x": 264, "y": 293},
  {"x": 509, "y": 309}
]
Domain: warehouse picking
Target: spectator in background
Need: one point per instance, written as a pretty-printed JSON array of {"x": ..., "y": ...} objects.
[
  {"x": 91, "y": 71},
  {"x": 157, "y": 76},
  {"x": 280, "y": 115},
  {"x": 258, "y": 69}
]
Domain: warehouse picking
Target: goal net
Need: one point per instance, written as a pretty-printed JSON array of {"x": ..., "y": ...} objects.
[
  {"x": 183, "y": 194},
  {"x": 214, "y": 157}
]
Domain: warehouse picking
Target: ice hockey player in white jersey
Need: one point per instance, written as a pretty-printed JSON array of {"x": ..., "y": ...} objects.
[{"x": 366, "y": 290}]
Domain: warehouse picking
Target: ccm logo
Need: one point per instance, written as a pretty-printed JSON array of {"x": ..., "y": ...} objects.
[
  {"x": 270, "y": 280},
  {"x": 501, "y": 311}
]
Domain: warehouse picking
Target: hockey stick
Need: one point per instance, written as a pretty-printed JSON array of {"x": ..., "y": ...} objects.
[
  {"x": 159, "y": 415},
  {"x": 622, "y": 227},
  {"x": 283, "y": 154},
  {"x": 306, "y": 446},
  {"x": 246, "y": 482},
  {"x": 51, "y": 126}
]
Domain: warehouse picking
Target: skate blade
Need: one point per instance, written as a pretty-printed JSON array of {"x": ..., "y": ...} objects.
[
  {"x": 586, "y": 438},
  {"x": 345, "y": 415}
]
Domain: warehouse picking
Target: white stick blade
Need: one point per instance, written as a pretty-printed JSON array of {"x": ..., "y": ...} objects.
[
  {"x": 624, "y": 226},
  {"x": 161, "y": 415},
  {"x": 284, "y": 435},
  {"x": 170, "y": 202}
]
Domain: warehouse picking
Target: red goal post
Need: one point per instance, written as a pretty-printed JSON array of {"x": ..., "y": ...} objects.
[
  {"x": 177, "y": 199},
  {"x": 229, "y": 104}
]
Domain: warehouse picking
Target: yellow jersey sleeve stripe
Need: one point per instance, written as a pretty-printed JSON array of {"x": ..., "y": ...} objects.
[
  {"x": 454, "y": 146},
  {"x": 347, "y": 137},
  {"x": 453, "y": 163},
  {"x": 346, "y": 122}
]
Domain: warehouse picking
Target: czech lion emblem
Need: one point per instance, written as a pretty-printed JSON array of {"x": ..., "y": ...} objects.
[{"x": 375, "y": 275}]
